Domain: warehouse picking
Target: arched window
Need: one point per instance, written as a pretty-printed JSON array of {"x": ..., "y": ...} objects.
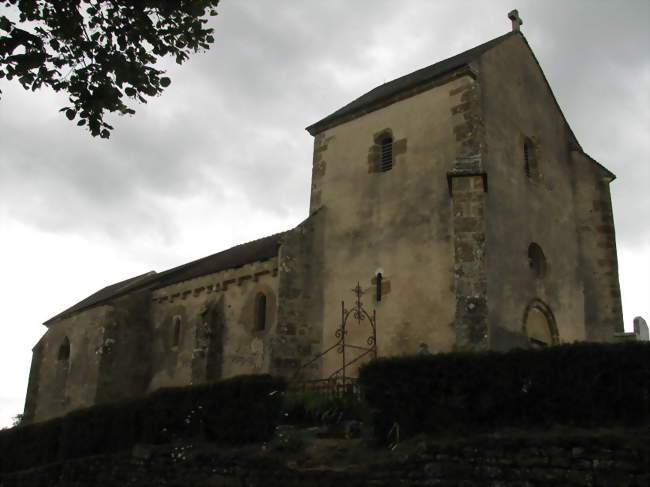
[
  {"x": 386, "y": 153},
  {"x": 64, "y": 350},
  {"x": 176, "y": 337},
  {"x": 539, "y": 325},
  {"x": 60, "y": 380},
  {"x": 536, "y": 260},
  {"x": 260, "y": 312}
]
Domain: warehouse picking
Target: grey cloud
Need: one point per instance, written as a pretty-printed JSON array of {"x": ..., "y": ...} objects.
[
  {"x": 596, "y": 59},
  {"x": 91, "y": 186},
  {"x": 224, "y": 148},
  {"x": 233, "y": 118}
]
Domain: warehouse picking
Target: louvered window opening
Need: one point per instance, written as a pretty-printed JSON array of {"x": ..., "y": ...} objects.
[{"x": 386, "y": 160}]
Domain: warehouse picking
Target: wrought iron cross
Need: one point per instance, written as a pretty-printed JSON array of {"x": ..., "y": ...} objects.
[
  {"x": 358, "y": 305},
  {"x": 513, "y": 15}
]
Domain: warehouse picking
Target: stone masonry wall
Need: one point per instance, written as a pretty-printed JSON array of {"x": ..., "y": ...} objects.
[
  {"x": 525, "y": 204},
  {"x": 595, "y": 226},
  {"x": 594, "y": 461},
  {"x": 298, "y": 338},
  {"x": 64, "y": 385},
  {"x": 467, "y": 187},
  {"x": 125, "y": 351},
  {"x": 467, "y": 118},
  {"x": 470, "y": 280},
  {"x": 32, "y": 385},
  {"x": 215, "y": 318}
]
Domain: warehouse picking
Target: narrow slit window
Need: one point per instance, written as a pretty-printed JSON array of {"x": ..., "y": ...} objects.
[
  {"x": 386, "y": 154},
  {"x": 260, "y": 312},
  {"x": 527, "y": 155},
  {"x": 176, "y": 339},
  {"x": 379, "y": 278},
  {"x": 530, "y": 160}
]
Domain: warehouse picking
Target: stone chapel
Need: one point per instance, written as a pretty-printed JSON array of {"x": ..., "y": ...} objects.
[{"x": 457, "y": 198}]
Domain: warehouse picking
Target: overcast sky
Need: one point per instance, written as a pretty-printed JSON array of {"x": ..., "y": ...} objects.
[{"x": 222, "y": 156}]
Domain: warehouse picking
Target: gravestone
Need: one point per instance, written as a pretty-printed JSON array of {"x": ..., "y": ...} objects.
[{"x": 641, "y": 329}]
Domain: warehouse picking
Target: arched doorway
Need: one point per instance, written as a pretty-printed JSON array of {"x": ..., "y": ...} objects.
[{"x": 539, "y": 325}]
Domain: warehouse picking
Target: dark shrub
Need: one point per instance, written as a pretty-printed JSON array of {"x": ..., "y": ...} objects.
[
  {"x": 584, "y": 384},
  {"x": 24, "y": 446},
  {"x": 238, "y": 410}
]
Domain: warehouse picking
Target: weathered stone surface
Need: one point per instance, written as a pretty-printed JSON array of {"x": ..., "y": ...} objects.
[
  {"x": 507, "y": 462},
  {"x": 483, "y": 165}
]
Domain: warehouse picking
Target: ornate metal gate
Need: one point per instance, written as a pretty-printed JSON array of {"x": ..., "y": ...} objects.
[{"x": 354, "y": 316}]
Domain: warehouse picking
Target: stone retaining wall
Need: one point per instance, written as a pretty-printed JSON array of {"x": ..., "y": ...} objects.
[{"x": 619, "y": 459}]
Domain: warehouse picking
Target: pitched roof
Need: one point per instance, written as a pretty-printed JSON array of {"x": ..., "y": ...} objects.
[
  {"x": 377, "y": 97},
  {"x": 388, "y": 92},
  {"x": 107, "y": 293},
  {"x": 257, "y": 250}
]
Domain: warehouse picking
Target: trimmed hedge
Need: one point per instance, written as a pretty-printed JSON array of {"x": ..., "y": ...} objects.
[
  {"x": 584, "y": 384},
  {"x": 239, "y": 410}
]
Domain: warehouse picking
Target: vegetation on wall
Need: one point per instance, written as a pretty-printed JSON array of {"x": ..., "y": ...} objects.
[
  {"x": 240, "y": 410},
  {"x": 584, "y": 385},
  {"x": 314, "y": 408}
]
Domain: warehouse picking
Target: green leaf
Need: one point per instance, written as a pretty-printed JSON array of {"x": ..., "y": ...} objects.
[
  {"x": 70, "y": 114},
  {"x": 165, "y": 82},
  {"x": 81, "y": 122}
]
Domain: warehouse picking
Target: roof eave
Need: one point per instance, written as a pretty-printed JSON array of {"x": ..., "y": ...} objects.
[
  {"x": 608, "y": 174},
  {"x": 153, "y": 280},
  {"x": 404, "y": 86},
  {"x": 137, "y": 283},
  {"x": 574, "y": 140},
  {"x": 440, "y": 79}
]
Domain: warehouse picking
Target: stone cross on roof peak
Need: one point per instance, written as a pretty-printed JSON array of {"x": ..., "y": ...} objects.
[{"x": 513, "y": 15}]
